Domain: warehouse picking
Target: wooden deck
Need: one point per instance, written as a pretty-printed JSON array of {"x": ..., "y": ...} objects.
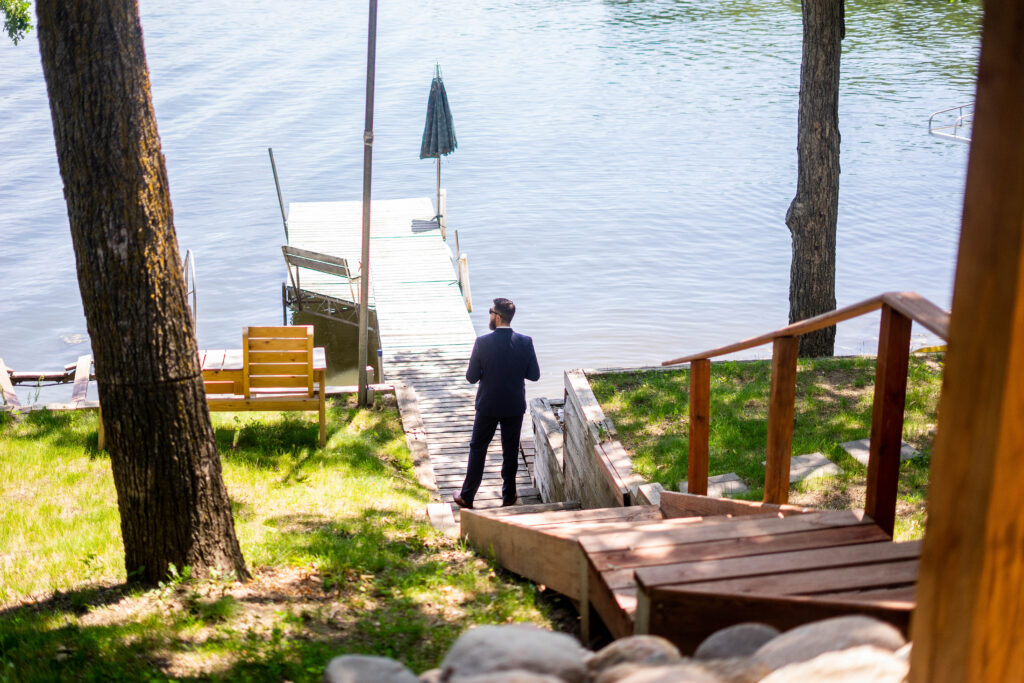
[
  {"x": 644, "y": 569},
  {"x": 425, "y": 332}
]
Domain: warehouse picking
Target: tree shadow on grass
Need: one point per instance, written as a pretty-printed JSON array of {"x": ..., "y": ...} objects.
[{"x": 370, "y": 583}]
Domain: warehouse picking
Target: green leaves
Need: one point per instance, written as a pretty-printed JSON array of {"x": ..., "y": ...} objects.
[{"x": 17, "y": 21}]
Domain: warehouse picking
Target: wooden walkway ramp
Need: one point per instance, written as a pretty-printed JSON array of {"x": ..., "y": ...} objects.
[
  {"x": 425, "y": 332},
  {"x": 693, "y": 565}
]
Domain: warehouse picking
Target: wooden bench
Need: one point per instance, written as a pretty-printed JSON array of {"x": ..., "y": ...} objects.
[
  {"x": 277, "y": 374},
  {"x": 277, "y": 368}
]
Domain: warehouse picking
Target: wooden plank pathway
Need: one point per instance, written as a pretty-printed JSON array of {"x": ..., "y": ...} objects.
[{"x": 425, "y": 332}]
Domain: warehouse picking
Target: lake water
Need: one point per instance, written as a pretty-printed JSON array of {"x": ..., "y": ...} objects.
[{"x": 623, "y": 171}]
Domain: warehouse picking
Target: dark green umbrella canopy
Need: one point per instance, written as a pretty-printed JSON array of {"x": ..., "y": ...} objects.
[{"x": 439, "y": 132}]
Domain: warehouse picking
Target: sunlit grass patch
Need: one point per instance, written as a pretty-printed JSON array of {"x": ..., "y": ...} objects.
[
  {"x": 342, "y": 557},
  {"x": 833, "y": 405}
]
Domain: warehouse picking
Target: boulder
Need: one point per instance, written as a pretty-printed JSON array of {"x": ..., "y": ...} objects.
[
  {"x": 616, "y": 673},
  {"x": 367, "y": 669},
  {"x": 736, "y": 669},
  {"x": 637, "y": 649},
  {"x": 487, "y": 649},
  {"x": 863, "y": 664},
  {"x": 739, "y": 640},
  {"x": 685, "y": 672},
  {"x": 513, "y": 676},
  {"x": 840, "y": 633}
]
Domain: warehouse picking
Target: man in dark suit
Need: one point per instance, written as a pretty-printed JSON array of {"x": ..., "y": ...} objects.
[{"x": 500, "y": 361}]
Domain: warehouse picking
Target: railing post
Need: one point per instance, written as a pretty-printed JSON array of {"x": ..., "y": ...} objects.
[
  {"x": 700, "y": 413},
  {"x": 887, "y": 418},
  {"x": 780, "y": 420}
]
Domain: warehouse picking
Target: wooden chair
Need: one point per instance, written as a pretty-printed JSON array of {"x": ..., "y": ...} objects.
[{"x": 277, "y": 374}]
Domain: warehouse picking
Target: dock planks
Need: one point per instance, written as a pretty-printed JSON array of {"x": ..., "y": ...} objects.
[{"x": 425, "y": 332}]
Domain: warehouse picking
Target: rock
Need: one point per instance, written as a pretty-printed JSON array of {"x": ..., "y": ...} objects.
[
  {"x": 614, "y": 674},
  {"x": 737, "y": 669},
  {"x": 514, "y": 676},
  {"x": 685, "y": 672},
  {"x": 367, "y": 669},
  {"x": 486, "y": 649},
  {"x": 431, "y": 676},
  {"x": 637, "y": 649},
  {"x": 863, "y": 664},
  {"x": 735, "y": 641},
  {"x": 840, "y": 633}
]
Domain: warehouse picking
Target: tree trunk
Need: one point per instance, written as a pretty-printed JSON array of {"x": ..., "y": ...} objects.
[
  {"x": 170, "y": 493},
  {"x": 812, "y": 215}
]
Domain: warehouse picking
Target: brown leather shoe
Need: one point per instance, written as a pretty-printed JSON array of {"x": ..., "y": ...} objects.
[
  {"x": 463, "y": 504},
  {"x": 514, "y": 501}
]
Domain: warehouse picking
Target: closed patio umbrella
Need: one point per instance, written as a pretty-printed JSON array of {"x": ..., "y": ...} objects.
[{"x": 439, "y": 131}]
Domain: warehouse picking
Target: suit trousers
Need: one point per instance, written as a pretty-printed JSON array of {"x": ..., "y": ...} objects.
[{"x": 483, "y": 432}]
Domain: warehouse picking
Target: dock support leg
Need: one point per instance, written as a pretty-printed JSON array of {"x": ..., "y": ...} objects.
[{"x": 284, "y": 304}]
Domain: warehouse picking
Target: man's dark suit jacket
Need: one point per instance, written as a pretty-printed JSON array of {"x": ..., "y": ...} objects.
[{"x": 501, "y": 361}]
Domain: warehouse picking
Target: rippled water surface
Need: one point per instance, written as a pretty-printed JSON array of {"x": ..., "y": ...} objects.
[{"x": 623, "y": 171}]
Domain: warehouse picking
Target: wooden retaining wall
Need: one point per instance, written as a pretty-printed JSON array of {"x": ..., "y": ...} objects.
[
  {"x": 597, "y": 470},
  {"x": 549, "y": 461}
]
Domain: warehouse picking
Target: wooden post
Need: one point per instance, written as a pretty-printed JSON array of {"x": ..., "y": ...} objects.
[
  {"x": 887, "y": 417},
  {"x": 442, "y": 206},
  {"x": 969, "y": 621},
  {"x": 584, "y": 570},
  {"x": 364, "y": 263},
  {"x": 780, "y": 420},
  {"x": 700, "y": 414}
]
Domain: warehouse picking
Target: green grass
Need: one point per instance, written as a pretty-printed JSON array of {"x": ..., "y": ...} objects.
[
  {"x": 342, "y": 558},
  {"x": 833, "y": 405}
]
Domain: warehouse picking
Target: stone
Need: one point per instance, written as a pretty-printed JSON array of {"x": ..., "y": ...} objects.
[
  {"x": 513, "y": 676},
  {"x": 860, "y": 451},
  {"x": 863, "y": 664},
  {"x": 442, "y": 518},
  {"x": 811, "y": 466},
  {"x": 839, "y": 633},
  {"x": 646, "y": 493},
  {"x": 686, "y": 672},
  {"x": 367, "y": 669},
  {"x": 739, "y": 640},
  {"x": 737, "y": 669},
  {"x": 637, "y": 649},
  {"x": 720, "y": 485},
  {"x": 487, "y": 649},
  {"x": 614, "y": 674}
]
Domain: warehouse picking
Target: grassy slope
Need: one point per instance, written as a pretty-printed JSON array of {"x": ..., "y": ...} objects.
[
  {"x": 342, "y": 559},
  {"x": 650, "y": 411}
]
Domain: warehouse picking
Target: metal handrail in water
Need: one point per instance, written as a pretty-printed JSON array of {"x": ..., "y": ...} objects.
[
  {"x": 963, "y": 121},
  {"x": 188, "y": 267}
]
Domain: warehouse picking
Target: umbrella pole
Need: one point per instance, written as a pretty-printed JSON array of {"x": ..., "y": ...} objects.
[
  {"x": 364, "y": 269},
  {"x": 440, "y": 222}
]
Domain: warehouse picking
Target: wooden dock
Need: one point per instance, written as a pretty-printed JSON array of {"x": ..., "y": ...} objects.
[{"x": 425, "y": 332}]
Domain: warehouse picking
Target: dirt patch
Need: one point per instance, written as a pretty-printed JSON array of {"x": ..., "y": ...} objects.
[{"x": 831, "y": 494}]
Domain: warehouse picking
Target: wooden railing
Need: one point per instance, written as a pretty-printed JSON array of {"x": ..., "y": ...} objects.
[{"x": 899, "y": 311}]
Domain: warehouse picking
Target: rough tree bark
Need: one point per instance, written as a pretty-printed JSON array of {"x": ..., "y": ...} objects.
[
  {"x": 812, "y": 214},
  {"x": 171, "y": 496}
]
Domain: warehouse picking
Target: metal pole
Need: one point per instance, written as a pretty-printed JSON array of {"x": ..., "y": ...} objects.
[
  {"x": 439, "y": 222},
  {"x": 280, "y": 199},
  {"x": 364, "y": 265}
]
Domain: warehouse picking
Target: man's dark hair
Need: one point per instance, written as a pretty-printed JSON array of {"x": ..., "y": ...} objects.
[{"x": 505, "y": 308}]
